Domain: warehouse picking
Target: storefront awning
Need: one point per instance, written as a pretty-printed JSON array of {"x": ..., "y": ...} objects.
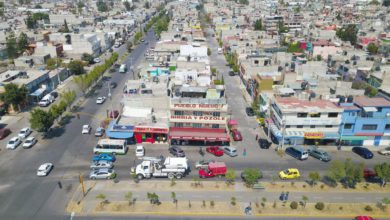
[
  {"x": 119, "y": 135},
  {"x": 275, "y": 130},
  {"x": 331, "y": 135},
  {"x": 353, "y": 138},
  {"x": 198, "y": 134},
  {"x": 38, "y": 92},
  {"x": 370, "y": 109}
]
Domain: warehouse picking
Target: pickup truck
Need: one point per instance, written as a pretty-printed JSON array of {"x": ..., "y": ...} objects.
[{"x": 213, "y": 169}]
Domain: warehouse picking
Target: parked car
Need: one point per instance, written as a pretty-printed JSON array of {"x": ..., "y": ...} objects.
[
  {"x": 29, "y": 142},
  {"x": 103, "y": 173},
  {"x": 264, "y": 143},
  {"x": 249, "y": 111},
  {"x": 24, "y": 132},
  {"x": 114, "y": 114},
  {"x": 236, "y": 135},
  {"x": 297, "y": 152},
  {"x": 363, "y": 152},
  {"x": 102, "y": 164},
  {"x": 291, "y": 173},
  {"x": 113, "y": 85},
  {"x": 13, "y": 143},
  {"x": 202, "y": 164},
  {"x": 99, "y": 132},
  {"x": 100, "y": 100},
  {"x": 363, "y": 217},
  {"x": 46, "y": 100},
  {"x": 176, "y": 151},
  {"x": 385, "y": 151},
  {"x": 231, "y": 73},
  {"x": 108, "y": 157},
  {"x": 215, "y": 150},
  {"x": 86, "y": 129},
  {"x": 96, "y": 60},
  {"x": 231, "y": 151},
  {"x": 4, "y": 132},
  {"x": 44, "y": 169},
  {"x": 139, "y": 151},
  {"x": 319, "y": 154}
]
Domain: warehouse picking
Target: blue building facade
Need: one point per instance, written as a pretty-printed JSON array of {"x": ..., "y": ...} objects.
[{"x": 366, "y": 122}]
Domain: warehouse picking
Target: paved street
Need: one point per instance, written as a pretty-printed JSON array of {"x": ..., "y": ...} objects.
[{"x": 197, "y": 217}]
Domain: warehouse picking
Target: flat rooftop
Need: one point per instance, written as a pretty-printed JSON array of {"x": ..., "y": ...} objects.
[{"x": 293, "y": 104}]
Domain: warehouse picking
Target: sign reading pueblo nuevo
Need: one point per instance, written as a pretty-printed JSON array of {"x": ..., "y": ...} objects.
[{"x": 200, "y": 106}]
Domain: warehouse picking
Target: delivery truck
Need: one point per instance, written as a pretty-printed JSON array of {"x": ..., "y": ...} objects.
[
  {"x": 171, "y": 167},
  {"x": 213, "y": 169}
]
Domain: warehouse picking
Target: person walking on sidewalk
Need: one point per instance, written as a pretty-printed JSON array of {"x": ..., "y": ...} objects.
[{"x": 257, "y": 137}]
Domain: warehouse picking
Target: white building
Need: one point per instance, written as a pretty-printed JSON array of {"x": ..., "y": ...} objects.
[{"x": 77, "y": 44}]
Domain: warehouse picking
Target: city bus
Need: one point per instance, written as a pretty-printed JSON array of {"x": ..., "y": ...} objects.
[{"x": 110, "y": 146}]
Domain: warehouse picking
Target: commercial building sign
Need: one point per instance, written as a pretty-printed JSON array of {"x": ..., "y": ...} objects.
[
  {"x": 314, "y": 135},
  {"x": 196, "y": 118},
  {"x": 150, "y": 130},
  {"x": 200, "y": 106}
]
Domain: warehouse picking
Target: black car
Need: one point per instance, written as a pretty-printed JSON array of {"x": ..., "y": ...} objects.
[
  {"x": 363, "y": 152},
  {"x": 176, "y": 151},
  {"x": 113, "y": 85},
  {"x": 264, "y": 143},
  {"x": 231, "y": 73},
  {"x": 249, "y": 111}
]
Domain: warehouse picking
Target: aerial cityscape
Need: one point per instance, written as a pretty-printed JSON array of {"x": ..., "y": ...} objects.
[{"x": 195, "y": 109}]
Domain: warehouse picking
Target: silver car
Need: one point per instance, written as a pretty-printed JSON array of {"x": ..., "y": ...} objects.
[
  {"x": 102, "y": 164},
  {"x": 231, "y": 151},
  {"x": 102, "y": 174}
]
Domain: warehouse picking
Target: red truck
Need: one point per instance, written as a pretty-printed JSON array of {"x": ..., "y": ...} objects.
[
  {"x": 215, "y": 150},
  {"x": 213, "y": 169}
]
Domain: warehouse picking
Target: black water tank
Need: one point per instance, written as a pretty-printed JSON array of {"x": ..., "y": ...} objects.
[
  {"x": 342, "y": 99},
  {"x": 350, "y": 99}
]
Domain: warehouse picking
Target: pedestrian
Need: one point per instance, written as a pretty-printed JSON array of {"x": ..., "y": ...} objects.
[
  {"x": 59, "y": 184},
  {"x": 257, "y": 137},
  {"x": 244, "y": 152},
  {"x": 78, "y": 115}
]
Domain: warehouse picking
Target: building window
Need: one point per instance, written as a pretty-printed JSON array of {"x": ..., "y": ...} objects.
[
  {"x": 328, "y": 126},
  {"x": 196, "y": 125},
  {"x": 369, "y": 127},
  {"x": 315, "y": 115},
  {"x": 379, "y": 109},
  {"x": 312, "y": 126},
  {"x": 216, "y": 114},
  {"x": 348, "y": 126},
  {"x": 287, "y": 126},
  {"x": 333, "y": 115},
  {"x": 178, "y": 125},
  {"x": 387, "y": 127},
  {"x": 299, "y": 126},
  {"x": 198, "y": 113},
  {"x": 302, "y": 115},
  {"x": 215, "y": 126},
  {"x": 179, "y": 112}
]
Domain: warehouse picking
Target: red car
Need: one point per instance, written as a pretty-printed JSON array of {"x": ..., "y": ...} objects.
[
  {"x": 363, "y": 217},
  {"x": 4, "y": 132},
  {"x": 236, "y": 135},
  {"x": 215, "y": 150},
  {"x": 214, "y": 169}
]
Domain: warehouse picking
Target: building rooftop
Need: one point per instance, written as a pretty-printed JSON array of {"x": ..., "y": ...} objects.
[
  {"x": 364, "y": 101},
  {"x": 294, "y": 104}
]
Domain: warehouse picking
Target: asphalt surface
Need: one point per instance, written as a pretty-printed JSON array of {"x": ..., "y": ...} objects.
[{"x": 23, "y": 195}]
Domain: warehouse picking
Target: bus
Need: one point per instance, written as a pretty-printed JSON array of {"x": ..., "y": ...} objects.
[{"x": 110, "y": 146}]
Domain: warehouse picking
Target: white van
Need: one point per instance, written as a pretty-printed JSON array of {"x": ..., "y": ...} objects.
[
  {"x": 123, "y": 68},
  {"x": 46, "y": 100},
  {"x": 220, "y": 51}
]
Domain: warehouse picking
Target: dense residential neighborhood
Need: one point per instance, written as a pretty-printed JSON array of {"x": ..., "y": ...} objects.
[{"x": 195, "y": 109}]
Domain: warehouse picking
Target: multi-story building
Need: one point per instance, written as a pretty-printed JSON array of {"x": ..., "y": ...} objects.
[
  {"x": 77, "y": 44},
  {"x": 365, "y": 121},
  {"x": 299, "y": 121}
]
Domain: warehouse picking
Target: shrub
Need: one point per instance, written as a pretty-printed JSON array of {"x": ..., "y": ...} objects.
[
  {"x": 233, "y": 201},
  {"x": 212, "y": 203},
  {"x": 340, "y": 208},
  {"x": 368, "y": 208},
  {"x": 320, "y": 206},
  {"x": 274, "y": 205},
  {"x": 203, "y": 203},
  {"x": 293, "y": 205}
]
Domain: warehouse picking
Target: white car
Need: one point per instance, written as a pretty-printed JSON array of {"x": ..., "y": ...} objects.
[
  {"x": 96, "y": 60},
  {"x": 86, "y": 129},
  {"x": 102, "y": 164},
  {"x": 13, "y": 143},
  {"x": 139, "y": 151},
  {"x": 44, "y": 169},
  {"x": 25, "y": 132},
  {"x": 100, "y": 100},
  {"x": 385, "y": 151},
  {"x": 102, "y": 174},
  {"x": 231, "y": 151},
  {"x": 29, "y": 142}
]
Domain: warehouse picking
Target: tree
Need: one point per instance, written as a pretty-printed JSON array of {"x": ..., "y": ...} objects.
[
  {"x": 41, "y": 120},
  {"x": 383, "y": 172},
  {"x": 251, "y": 175},
  {"x": 353, "y": 172},
  {"x": 282, "y": 28},
  {"x": 68, "y": 97},
  {"x": 129, "y": 197},
  {"x": 129, "y": 46},
  {"x": 87, "y": 57},
  {"x": 55, "y": 111},
  {"x": 127, "y": 5},
  {"x": 305, "y": 199},
  {"x": 102, "y": 6},
  {"x": 294, "y": 48},
  {"x": 258, "y": 25},
  {"x": 386, "y": 3},
  {"x": 348, "y": 33},
  {"x": 230, "y": 176},
  {"x": 66, "y": 28},
  {"x": 374, "y": 2},
  {"x": 173, "y": 196},
  {"x": 372, "y": 48},
  {"x": 314, "y": 178},
  {"x": 336, "y": 171},
  {"x": 293, "y": 205},
  {"x": 53, "y": 63},
  {"x": 208, "y": 51},
  {"x": 76, "y": 67},
  {"x": 30, "y": 22},
  {"x": 14, "y": 95},
  {"x": 147, "y": 5},
  {"x": 244, "y": 2},
  {"x": 38, "y": 6},
  {"x": 22, "y": 42},
  {"x": 11, "y": 45}
]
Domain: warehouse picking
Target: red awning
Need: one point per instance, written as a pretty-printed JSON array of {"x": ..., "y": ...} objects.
[{"x": 199, "y": 134}]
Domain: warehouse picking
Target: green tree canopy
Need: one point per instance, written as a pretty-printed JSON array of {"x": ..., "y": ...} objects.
[
  {"x": 41, "y": 120},
  {"x": 102, "y": 6},
  {"x": 14, "y": 95},
  {"x": 314, "y": 177},
  {"x": 22, "y": 42},
  {"x": 127, "y": 5},
  {"x": 294, "y": 48},
  {"x": 66, "y": 28},
  {"x": 258, "y": 25},
  {"x": 76, "y": 67},
  {"x": 244, "y": 2},
  {"x": 230, "y": 176},
  {"x": 11, "y": 45},
  {"x": 38, "y": 6},
  {"x": 372, "y": 48},
  {"x": 87, "y": 57},
  {"x": 251, "y": 176},
  {"x": 386, "y": 3},
  {"x": 53, "y": 63},
  {"x": 383, "y": 171},
  {"x": 147, "y": 5},
  {"x": 348, "y": 33}
]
